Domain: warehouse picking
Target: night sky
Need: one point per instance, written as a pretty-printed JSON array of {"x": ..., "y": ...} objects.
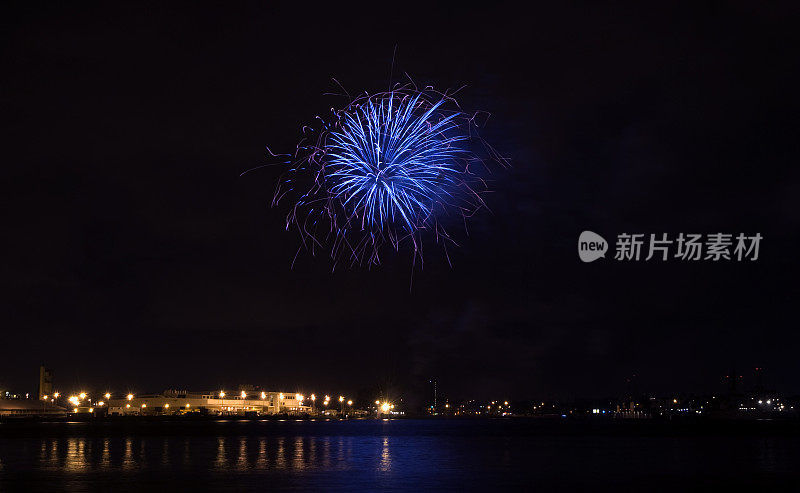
[{"x": 138, "y": 259}]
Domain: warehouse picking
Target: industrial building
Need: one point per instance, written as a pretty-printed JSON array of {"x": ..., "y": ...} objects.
[{"x": 45, "y": 382}]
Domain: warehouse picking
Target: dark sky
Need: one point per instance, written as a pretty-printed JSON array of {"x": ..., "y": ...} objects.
[{"x": 137, "y": 258}]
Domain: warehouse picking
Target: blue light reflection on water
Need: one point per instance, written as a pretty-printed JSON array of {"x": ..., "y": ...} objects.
[{"x": 236, "y": 455}]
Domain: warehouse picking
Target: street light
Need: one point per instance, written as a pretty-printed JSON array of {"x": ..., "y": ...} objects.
[
  {"x": 244, "y": 394},
  {"x": 82, "y": 395},
  {"x": 55, "y": 395},
  {"x": 222, "y": 395},
  {"x": 130, "y": 397},
  {"x": 349, "y": 403},
  {"x": 108, "y": 395}
]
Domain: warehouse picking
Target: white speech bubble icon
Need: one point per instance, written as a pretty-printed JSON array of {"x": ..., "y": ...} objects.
[{"x": 591, "y": 246}]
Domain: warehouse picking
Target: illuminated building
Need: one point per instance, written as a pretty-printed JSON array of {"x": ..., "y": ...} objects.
[{"x": 213, "y": 402}]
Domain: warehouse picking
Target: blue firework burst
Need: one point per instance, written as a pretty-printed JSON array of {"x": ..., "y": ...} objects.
[
  {"x": 383, "y": 170},
  {"x": 394, "y": 159}
]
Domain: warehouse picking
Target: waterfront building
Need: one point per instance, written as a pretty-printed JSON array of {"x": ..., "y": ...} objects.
[{"x": 218, "y": 402}]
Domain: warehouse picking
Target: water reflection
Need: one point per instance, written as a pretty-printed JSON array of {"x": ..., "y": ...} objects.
[
  {"x": 299, "y": 453},
  {"x": 280, "y": 459},
  {"x": 386, "y": 458},
  {"x": 142, "y": 454},
  {"x": 297, "y": 461},
  {"x": 127, "y": 461},
  {"x": 261, "y": 463},
  {"x": 165, "y": 454},
  {"x": 77, "y": 455},
  {"x": 105, "y": 461},
  {"x": 293, "y": 457},
  {"x": 241, "y": 463},
  {"x": 221, "y": 460},
  {"x": 53, "y": 458}
]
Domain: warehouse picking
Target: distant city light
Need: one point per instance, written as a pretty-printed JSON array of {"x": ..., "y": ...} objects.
[
  {"x": 101, "y": 403},
  {"x": 244, "y": 394},
  {"x": 263, "y": 395}
]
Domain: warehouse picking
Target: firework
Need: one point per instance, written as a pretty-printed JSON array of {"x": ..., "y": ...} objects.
[{"x": 383, "y": 172}]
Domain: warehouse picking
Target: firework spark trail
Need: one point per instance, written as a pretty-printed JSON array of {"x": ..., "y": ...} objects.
[{"x": 385, "y": 169}]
